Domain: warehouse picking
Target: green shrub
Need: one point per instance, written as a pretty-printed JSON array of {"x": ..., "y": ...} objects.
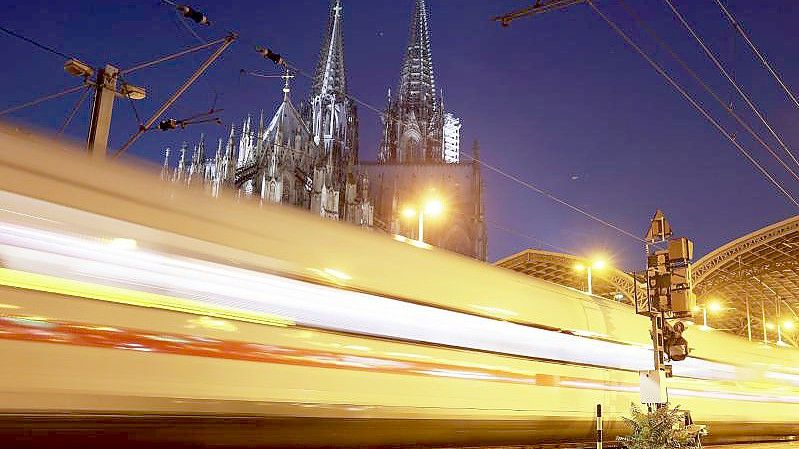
[{"x": 661, "y": 429}]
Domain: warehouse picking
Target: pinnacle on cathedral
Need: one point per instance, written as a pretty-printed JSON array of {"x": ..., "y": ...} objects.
[{"x": 416, "y": 129}]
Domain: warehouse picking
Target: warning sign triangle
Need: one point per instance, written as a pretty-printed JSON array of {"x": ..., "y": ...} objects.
[{"x": 660, "y": 229}]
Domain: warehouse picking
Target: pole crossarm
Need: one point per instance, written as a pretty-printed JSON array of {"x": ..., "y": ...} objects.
[
  {"x": 43, "y": 99},
  {"x": 173, "y": 56},
  {"x": 540, "y": 7},
  {"x": 226, "y": 42}
]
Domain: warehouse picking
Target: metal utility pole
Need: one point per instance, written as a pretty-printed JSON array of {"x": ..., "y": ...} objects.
[{"x": 104, "y": 94}]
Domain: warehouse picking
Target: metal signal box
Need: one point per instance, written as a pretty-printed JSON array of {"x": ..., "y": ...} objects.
[{"x": 681, "y": 250}]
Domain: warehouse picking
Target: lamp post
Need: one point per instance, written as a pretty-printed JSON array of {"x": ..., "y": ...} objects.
[
  {"x": 597, "y": 264},
  {"x": 712, "y": 307},
  {"x": 788, "y": 326},
  {"x": 783, "y": 326},
  {"x": 432, "y": 207}
]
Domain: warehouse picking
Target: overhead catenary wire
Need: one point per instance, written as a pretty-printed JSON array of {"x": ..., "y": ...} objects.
[
  {"x": 632, "y": 44},
  {"x": 42, "y": 99},
  {"x": 179, "y": 18},
  {"x": 727, "y": 107},
  {"x": 757, "y": 52},
  {"x": 726, "y": 74},
  {"x": 305, "y": 74},
  {"x": 132, "y": 103},
  {"x": 524, "y": 235},
  {"x": 44, "y": 47},
  {"x": 74, "y": 110},
  {"x": 675, "y": 56},
  {"x": 171, "y": 56},
  {"x": 226, "y": 42},
  {"x": 694, "y": 103},
  {"x": 558, "y": 200}
]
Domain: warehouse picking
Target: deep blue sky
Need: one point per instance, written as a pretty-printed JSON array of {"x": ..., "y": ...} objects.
[{"x": 558, "y": 100}]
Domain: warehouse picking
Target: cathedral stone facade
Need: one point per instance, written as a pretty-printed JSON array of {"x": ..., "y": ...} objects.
[
  {"x": 307, "y": 156},
  {"x": 461, "y": 225}
]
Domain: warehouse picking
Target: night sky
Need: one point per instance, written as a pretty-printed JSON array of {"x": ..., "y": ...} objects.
[{"x": 558, "y": 100}]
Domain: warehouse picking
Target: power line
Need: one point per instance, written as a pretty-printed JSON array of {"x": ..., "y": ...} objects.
[
  {"x": 740, "y": 91},
  {"x": 305, "y": 74},
  {"x": 172, "y": 56},
  {"x": 74, "y": 110},
  {"x": 556, "y": 199},
  {"x": 37, "y": 44},
  {"x": 188, "y": 28},
  {"x": 693, "y": 102},
  {"x": 535, "y": 240},
  {"x": 132, "y": 102},
  {"x": 757, "y": 52},
  {"x": 706, "y": 87},
  {"x": 42, "y": 99},
  {"x": 700, "y": 81}
]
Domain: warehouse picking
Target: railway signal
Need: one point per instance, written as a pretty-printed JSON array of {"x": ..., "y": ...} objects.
[{"x": 669, "y": 297}]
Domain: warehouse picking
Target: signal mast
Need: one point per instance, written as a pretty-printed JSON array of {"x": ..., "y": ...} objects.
[{"x": 669, "y": 298}]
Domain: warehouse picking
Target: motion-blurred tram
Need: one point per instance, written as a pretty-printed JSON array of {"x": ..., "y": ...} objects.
[{"x": 139, "y": 312}]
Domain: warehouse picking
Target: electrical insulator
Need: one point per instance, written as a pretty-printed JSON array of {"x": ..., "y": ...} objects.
[
  {"x": 168, "y": 124},
  {"x": 191, "y": 13},
  {"x": 270, "y": 55}
]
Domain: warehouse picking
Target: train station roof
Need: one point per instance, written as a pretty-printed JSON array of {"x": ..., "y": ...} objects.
[
  {"x": 758, "y": 273},
  {"x": 559, "y": 268}
]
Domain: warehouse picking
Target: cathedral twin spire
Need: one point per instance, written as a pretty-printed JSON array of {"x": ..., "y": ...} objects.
[
  {"x": 415, "y": 128},
  {"x": 330, "y": 76},
  {"x": 417, "y": 83},
  {"x": 332, "y": 116}
]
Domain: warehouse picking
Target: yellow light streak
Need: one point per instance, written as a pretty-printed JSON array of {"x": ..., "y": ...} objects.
[{"x": 68, "y": 287}]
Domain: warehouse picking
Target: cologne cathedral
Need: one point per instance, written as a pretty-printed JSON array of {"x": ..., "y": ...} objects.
[{"x": 307, "y": 156}]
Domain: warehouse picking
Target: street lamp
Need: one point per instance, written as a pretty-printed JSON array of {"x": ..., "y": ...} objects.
[
  {"x": 432, "y": 207},
  {"x": 780, "y": 326},
  {"x": 786, "y": 325},
  {"x": 596, "y": 264},
  {"x": 712, "y": 307}
]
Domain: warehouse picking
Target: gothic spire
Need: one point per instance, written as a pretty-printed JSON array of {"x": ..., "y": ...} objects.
[
  {"x": 417, "y": 84},
  {"x": 165, "y": 168},
  {"x": 330, "y": 76}
]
